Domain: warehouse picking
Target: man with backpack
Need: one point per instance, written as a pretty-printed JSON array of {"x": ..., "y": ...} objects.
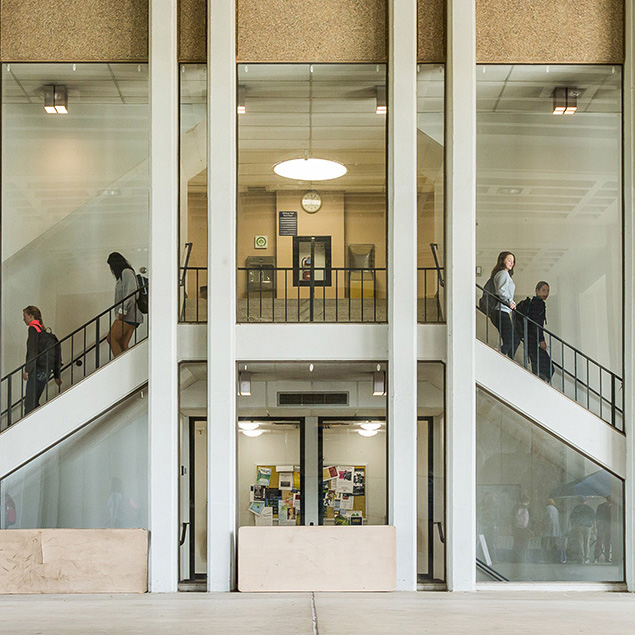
[
  {"x": 43, "y": 358},
  {"x": 536, "y": 310}
]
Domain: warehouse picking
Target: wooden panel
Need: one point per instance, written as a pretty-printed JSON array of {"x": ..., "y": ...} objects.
[
  {"x": 431, "y": 31},
  {"x": 311, "y": 30},
  {"x": 73, "y": 561},
  {"x": 545, "y": 31},
  {"x": 68, "y": 30},
  {"x": 317, "y": 558},
  {"x": 193, "y": 31}
]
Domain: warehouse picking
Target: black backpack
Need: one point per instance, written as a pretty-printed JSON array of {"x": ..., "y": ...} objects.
[
  {"x": 519, "y": 315},
  {"x": 142, "y": 296},
  {"x": 489, "y": 302},
  {"x": 50, "y": 346}
]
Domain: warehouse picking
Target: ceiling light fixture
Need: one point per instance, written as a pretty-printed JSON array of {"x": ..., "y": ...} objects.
[
  {"x": 56, "y": 100},
  {"x": 379, "y": 383},
  {"x": 367, "y": 433},
  {"x": 381, "y": 107},
  {"x": 370, "y": 425},
  {"x": 248, "y": 425},
  {"x": 244, "y": 384},
  {"x": 241, "y": 109},
  {"x": 565, "y": 100},
  {"x": 252, "y": 433},
  {"x": 310, "y": 168}
]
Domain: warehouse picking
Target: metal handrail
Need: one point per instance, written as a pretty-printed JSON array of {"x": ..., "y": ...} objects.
[
  {"x": 615, "y": 379},
  {"x": 434, "y": 247},
  {"x": 87, "y": 348}
]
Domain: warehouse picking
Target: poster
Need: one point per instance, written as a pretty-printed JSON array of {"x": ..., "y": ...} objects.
[
  {"x": 346, "y": 501},
  {"x": 256, "y": 507},
  {"x": 266, "y": 518},
  {"x": 297, "y": 500},
  {"x": 344, "y": 479},
  {"x": 329, "y": 473},
  {"x": 285, "y": 480},
  {"x": 264, "y": 476},
  {"x": 296, "y": 480},
  {"x": 359, "y": 482},
  {"x": 259, "y": 492}
]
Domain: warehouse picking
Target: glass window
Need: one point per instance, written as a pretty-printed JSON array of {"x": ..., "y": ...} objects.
[
  {"x": 312, "y": 444},
  {"x": 431, "y": 474},
  {"x": 193, "y": 194},
  {"x": 97, "y": 478},
  {"x": 430, "y": 192},
  {"x": 544, "y": 511},
  {"x": 329, "y": 122},
  {"x": 549, "y": 189},
  {"x": 74, "y": 189}
]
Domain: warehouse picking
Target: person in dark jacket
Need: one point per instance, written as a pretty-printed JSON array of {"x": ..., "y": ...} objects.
[
  {"x": 582, "y": 519},
  {"x": 536, "y": 346},
  {"x": 38, "y": 367}
]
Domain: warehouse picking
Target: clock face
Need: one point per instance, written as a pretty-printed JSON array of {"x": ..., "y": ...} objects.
[{"x": 311, "y": 201}]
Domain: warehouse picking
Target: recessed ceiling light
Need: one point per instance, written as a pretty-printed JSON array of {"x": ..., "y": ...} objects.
[{"x": 511, "y": 191}]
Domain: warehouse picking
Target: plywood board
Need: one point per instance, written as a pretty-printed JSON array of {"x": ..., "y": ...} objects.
[
  {"x": 316, "y": 558},
  {"x": 73, "y": 561}
]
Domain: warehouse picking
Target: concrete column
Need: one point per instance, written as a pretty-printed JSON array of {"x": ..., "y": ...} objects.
[
  {"x": 402, "y": 286},
  {"x": 461, "y": 280},
  {"x": 221, "y": 362},
  {"x": 629, "y": 292},
  {"x": 163, "y": 310}
]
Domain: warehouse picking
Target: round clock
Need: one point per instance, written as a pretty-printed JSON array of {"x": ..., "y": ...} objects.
[{"x": 311, "y": 201}]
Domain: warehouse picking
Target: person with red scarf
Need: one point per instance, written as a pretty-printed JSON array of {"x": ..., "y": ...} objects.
[{"x": 37, "y": 370}]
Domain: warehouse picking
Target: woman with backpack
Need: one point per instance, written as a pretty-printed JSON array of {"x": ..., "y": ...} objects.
[
  {"x": 129, "y": 317},
  {"x": 42, "y": 358},
  {"x": 504, "y": 288}
]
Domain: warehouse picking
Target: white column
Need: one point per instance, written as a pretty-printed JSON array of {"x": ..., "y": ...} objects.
[
  {"x": 163, "y": 371},
  {"x": 629, "y": 291},
  {"x": 311, "y": 472},
  {"x": 402, "y": 271},
  {"x": 221, "y": 363},
  {"x": 461, "y": 280}
]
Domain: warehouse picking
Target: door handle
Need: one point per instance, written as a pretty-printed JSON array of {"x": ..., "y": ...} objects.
[{"x": 183, "y": 532}]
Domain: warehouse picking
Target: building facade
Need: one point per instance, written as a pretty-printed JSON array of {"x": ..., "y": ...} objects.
[{"x": 317, "y": 195}]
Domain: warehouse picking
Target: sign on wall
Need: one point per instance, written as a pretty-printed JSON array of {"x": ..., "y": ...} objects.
[
  {"x": 261, "y": 242},
  {"x": 287, "y": 223}
]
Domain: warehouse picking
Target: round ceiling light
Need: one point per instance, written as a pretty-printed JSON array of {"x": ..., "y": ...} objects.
[
  {"x": 252, "y": 433},
  {"x": 310, "y": 169},
  {"x": 248, "y": 425},
  {"x": 371, "y": 425},
  {"x": 367, "y": 433}
]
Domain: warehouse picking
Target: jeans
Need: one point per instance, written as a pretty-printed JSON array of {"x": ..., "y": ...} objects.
[
  {"x": 34, "y": 388},
  {"x": 510, "y": 340},
  {"x": 540, "y": 361}
]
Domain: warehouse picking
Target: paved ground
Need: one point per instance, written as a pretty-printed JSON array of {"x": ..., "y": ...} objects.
[{"x": 323, "y": 613}]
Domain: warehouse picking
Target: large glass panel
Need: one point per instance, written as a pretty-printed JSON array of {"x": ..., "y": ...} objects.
[
  {"x": 74, "y": 189},
  {"x": 96, "y": 478},
  {"x": 335, "y": 113},
  {"x": 545, "y": 512},
  {"x": 312, "y": 444},
  {"x": 549, "y": 190},
  {"x": 193, "y": 194},
  {"x": 430, "y": 474},
  {"x": 430, "y": 192}
]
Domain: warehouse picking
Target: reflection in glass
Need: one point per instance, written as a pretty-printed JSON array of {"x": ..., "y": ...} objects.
[
  {"x": 294, "y": 112},
  {"x": 74, "y": 189},
  {"x": 193, "y": 194},
  {"x": 549, "y": 189},
  {"x": 544, "y": 511},
  {"x": 430, "y": 192},
  {"x": 97, "y": 478}
]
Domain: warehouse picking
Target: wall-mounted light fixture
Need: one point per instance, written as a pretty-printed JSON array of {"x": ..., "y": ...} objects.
[
  {"x": 367, "y": 433},
  {"x": 244, "y": 384},
  {"x": 241, "y": 109},
  {"x": 56, "y": 100},
  {"x": 565, "y": 100},
  {"x": 381, "y": 106},
  {"x": 252, "y": 433},
  {"x": 379, "y": 383},
  {"x": 248, "y": 425},
  {"x": 370, "y": 425}
]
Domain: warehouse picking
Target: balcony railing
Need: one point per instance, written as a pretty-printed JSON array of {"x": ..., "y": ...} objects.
[
  {"x": 570, "y": 371},
  {"x": 85, "y": 350},
  {"x": 430, "y": 295}
]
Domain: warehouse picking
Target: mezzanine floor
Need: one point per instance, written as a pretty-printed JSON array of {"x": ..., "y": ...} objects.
[{"x": 323, "y": 613}]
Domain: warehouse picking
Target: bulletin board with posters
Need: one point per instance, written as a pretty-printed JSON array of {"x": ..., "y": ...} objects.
[
  {"x": 344, "y": 494},
  {"x": 275, "y": 495}
]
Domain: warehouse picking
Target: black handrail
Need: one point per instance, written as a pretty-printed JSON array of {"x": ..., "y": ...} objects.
[
  {"x": 196, "y": 271},
  {"x": 437, "y": 284},
  {"x": 74, "y": 359},
  {"x": 435, "y": 254},
  {"x": 616, "y": 382},
  {"x": 485, "y": 568}
]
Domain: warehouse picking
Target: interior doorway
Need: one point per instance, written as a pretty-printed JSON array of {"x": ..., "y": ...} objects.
[{"x": 193, "y": 505}]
